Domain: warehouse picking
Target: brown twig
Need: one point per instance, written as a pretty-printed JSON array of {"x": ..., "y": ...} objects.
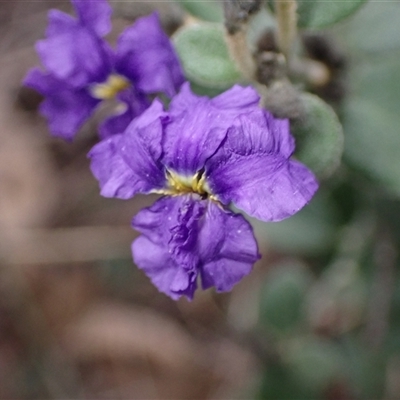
[
  {"x": 237, "y": 14},
  {"x": 287, "y": 25}
]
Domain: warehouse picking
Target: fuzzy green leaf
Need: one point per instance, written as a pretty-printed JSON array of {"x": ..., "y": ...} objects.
[
  {"x": 204, "y": 55},
  {"x": 357, "y": 36},
  {"x": 207, "y": 10},
  {"x": 319, "y": 136},
  {"x": 321, "y": 13},
  {"x": 371, "y": 121},
  {"x": 317, "y": 14}
]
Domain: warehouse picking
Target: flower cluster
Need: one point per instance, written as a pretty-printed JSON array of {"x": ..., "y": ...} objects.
[
  {"x": 201, "y": 155},
  {"x": 82, "y": 70}
]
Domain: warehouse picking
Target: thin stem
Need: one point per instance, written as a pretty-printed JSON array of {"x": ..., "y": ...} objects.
[
  {"x": 287, "y": 25},
  {"x": 237, "y": 15},
  {"x": 241, "y": 54}
]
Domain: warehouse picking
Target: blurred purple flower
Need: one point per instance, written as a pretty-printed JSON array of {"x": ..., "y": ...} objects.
[
  {"x": 81, "y": 69},
  {"x": 202, "y": 155}
]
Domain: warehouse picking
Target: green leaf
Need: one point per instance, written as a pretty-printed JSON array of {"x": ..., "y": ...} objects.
[
  {"x": 207, "y": 10},
  {"x": 205, "y": 91},
  {"x": 371, "y": 121},
  {"x": 373, "y": 141},
  {"x": 356, "y": 33},
  {"x": 316, "y": 14},
  {"x": 319, "y": 136},
  {"x": 282, "y": 297},
  {"x": 204, "y": 55},
  {"x": 322, "y": 13}
]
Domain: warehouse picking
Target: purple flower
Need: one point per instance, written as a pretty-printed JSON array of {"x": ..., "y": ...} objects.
[
  {"x": 81, "y": 69},
  {"x": 203, "y": 155}
]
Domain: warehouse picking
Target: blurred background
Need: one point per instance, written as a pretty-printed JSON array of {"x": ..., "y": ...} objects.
[{"x": 318, "y": 318}]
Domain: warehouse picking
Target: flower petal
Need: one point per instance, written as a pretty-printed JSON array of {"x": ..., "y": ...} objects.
[
  {"x": 252, "y": 169},
  {"x": 163, "y": 272},
  {"x": 190, "y": 139},
  {"x": 66, "y": 109},
  {"x": 94, "y": 14},
  {"x": 228, "y": 248},
  {"x": 167, "y": 251},
  {"x": 237, "y": 97},
  {"x": 128, "y": 163},
  {"x": 76, "y": 56},
  {"x": 172, "y": 221},
  {"x": 184, "y": 236},
  {"x": 116, "y": 124},
  {"x": 133, "y": 104},
  {"x": 145, "y": 55},
  {"x": 116, "y": 179},
  {"x": 199, "y": 125},
  {"x": 59, "y": 23}
]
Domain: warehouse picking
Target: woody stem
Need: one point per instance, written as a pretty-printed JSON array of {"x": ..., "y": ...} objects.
[{"x": 286, "y": 16}]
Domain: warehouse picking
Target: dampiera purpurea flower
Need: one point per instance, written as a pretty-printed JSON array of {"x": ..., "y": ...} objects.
[
  {"x": 81, "y": 69},
  {"x": 202, "y": 155}
]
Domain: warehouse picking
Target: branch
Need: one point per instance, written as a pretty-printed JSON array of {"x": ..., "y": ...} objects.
[{"x": 287, "y": 25}]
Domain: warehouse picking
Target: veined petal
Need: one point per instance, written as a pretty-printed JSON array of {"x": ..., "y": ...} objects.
[
  {"x": 252, "y": 169},
  {"x": 258, "y": 132},
  {"x": 76, "y": 56},
  {"x": 153, "y": 113},
  {"x": 116, "y": 124},
  {"x": 184, "y": 100},
  {"x": 185, "y": 236},
  {"x": 173, "y": 221},
  {"x": 190, "y": 139},
  {"x": 145, "y": 55},
  {"x": 133, "y": 103},
  {"x": 199, "y": 125},
  {"x": 116, "y": 179},
  {"x": 163, "y": 272},
  {"x": 227, "y": 247},
  {"x": 155, "y": 222},
  {"x": 94, "y": 14},
  {"x": 237, "y": 98},
  {"x": 141, "y": 144},
  {"x": 128, "y": 163},
  {"x": 136, "y": 101},
  {"x": 167, "y": 251},
  {"x": 65, "y": 108}
]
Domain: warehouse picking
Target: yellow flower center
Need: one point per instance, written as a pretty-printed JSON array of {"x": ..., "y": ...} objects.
[
  {"x": 179, "y": 184},
  {"x": 110, "y": 88}
]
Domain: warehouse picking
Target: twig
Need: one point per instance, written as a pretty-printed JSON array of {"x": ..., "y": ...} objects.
[
  {"x": 237, "y": 14},
  {"x": 287, "y": 25}
]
